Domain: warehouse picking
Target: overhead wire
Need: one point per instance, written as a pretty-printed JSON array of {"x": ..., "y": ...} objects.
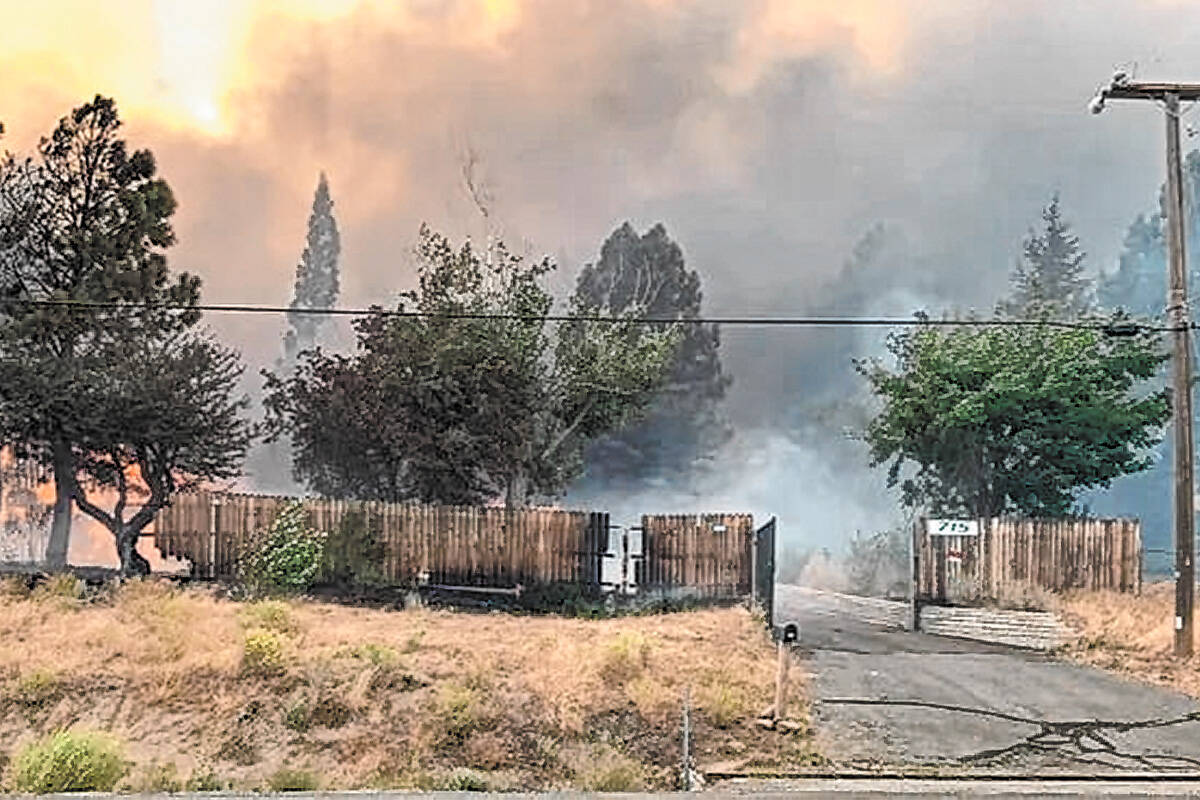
[{"x": 1122, "y": 327}]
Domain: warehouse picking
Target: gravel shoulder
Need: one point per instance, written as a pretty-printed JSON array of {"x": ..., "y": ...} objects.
[{"x": 888, "y": 697}]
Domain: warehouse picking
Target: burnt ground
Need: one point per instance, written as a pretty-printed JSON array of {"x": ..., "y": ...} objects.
[{"x": 885, "y": 698}]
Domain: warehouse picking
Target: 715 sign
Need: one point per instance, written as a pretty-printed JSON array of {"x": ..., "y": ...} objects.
[{"x": 953, "y": 527}]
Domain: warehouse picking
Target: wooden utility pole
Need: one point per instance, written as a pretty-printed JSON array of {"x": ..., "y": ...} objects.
[{"x": 1170, "y": 95}]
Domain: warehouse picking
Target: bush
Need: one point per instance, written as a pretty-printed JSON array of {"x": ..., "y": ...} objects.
[
  {"x": 603, "y": 769},
  {"x": 464, "y": 780},
  {"x": 69, "y": 761},
  {"x": 262, "y": 653},
  {"x": 60, "y": 586},
  {"x": 271, "y": 615},
  {"x": 625, "y": 657},
  {"x": 287, "y": 557},
  {"x": 292, "y": 780},
  {"x": 36, "y": 687}
]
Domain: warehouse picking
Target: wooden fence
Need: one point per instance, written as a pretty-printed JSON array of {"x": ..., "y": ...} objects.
[
  {"x": 400, "y": 544},
  {"x": 706, "y": 555},
  {"x": 1008, "y": 555}
]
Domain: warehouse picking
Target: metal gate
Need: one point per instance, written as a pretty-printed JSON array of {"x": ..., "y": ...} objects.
[{"x": 764, "y": 571}]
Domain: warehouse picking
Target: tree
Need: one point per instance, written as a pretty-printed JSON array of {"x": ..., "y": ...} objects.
[
  {"x": 466, "y": 393},
  {"x": 86, "y": 221},
  {"x": 317, "y": 281},
  {"x": 985, "y": 420},
  {"x": 1139, "y": 284},
  {"x": 166, "y": 419},
  {"x": 647, "y": 275},
  {"x": 1049, "y": 279}
]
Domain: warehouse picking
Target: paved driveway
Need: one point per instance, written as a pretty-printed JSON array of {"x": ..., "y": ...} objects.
[{"x": 885, "y": 696}]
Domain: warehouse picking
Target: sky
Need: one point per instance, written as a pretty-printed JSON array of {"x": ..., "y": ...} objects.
[{"x": 767, "y": 135}]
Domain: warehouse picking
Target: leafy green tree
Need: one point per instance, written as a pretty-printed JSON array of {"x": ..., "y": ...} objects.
[
  {"x": 85, "y": 221},
  {"x": 647, "y": 275},
  {"x": 101, "y": 373},
  {"x": 1049, "y": 279},
  {"x": 467, "y": 393},
  {"x": 986, "y": 420},
  {"x": 317, "y": 277},
  {"x": 167, "y": 419}
]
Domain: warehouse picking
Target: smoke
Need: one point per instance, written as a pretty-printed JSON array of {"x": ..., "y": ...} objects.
[{"x": 769, "y": 136}]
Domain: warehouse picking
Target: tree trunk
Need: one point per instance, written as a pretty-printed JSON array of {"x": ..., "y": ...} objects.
[
  {"x": 132, "y": 562},
  {"x": 60, "y": 528},
  {"x": 517, "y": 491}
]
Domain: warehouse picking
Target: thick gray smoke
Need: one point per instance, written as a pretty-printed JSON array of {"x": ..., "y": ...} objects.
[{"x": 767, "y": 152}]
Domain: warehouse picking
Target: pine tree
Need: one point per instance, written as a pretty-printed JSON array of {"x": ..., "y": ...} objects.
[
  {"x": 647, "y": 275},
  {"x": 1049, "y": 279},
  {"x": 316, "y": 275}
]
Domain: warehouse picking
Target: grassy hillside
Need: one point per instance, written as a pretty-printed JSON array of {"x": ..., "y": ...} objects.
[{"x": 203, "y": 691}]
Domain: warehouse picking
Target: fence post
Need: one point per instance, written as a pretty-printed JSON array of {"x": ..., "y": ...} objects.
[{"x": 914, "y": 572}]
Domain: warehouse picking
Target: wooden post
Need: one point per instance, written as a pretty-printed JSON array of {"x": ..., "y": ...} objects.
[{"x": 781, "y": 683}]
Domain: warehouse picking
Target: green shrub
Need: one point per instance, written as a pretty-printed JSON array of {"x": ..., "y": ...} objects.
[
  {"x": 298, "y": 716},
  {"x": 460, "y": 709},
  {"x": 464, "y": 780},
  {"x": 262, "y": 653},
  {"x": 378, "y": 654},
  {"x": 36, "y": 687},
  {"x": 69, "y": 761},
  {"x": 271, "y": 615},
  {"x": 287, "y": 779},
  {"x": 625, "y": 657},
  {"x": 287, "y": 557},
  {"x": 606, "y": 770},
  {"x": 60, "y": 586}
]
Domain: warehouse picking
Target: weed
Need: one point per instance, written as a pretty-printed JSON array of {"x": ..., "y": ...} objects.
[
  {"x": 459, "y": 708},
  {"x": 413, "y": 643},
  {"x": 262, "y": 653},
  {"x": 271, "y": 615},
  {"x": 298, "y": 716},
  {"x": 377, "y": 654},
  {"x": 60, "y": 586},
  {"x": 625, "y": 657},
  {"x": 287, "y": 779},
  {"x": 464, "y": 780},
  {"x": 603, "y": 769},
  {"x": 725, "y": 705},
  {"x": 69, "y": 761},
  {"x": 157, "y": 778},
  {"x": 36, "y": 688}
]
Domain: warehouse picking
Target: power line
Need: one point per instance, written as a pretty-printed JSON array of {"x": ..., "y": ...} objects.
[{"x": 1118, "y": 328}]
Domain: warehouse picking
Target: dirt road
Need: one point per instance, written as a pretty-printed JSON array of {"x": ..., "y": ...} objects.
[{"x": 884, "y": 696}]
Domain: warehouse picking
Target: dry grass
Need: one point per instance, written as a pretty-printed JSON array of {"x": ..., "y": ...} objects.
[
  {"x": 206, "y": 691},
  {"x": 1132, "y": 635}
]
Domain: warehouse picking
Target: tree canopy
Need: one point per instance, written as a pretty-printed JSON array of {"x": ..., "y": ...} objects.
[
  {"x": 986, "y": 420},
  {"x": 317, "y": 276},
  {"x": 647, "y": 274},
  {"x": 1049, "y": 279},
  {"x": 86, "y": 221},
  {"x": 468, "y": 393}
]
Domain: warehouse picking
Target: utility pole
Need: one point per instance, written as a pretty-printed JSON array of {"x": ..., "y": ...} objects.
[{"x": 1170, "y": 95}]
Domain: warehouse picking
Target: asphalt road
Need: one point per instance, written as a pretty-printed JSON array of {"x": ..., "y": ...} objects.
[{"x": 888, "y": 698}]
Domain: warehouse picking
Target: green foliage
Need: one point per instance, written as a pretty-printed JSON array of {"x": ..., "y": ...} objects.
[
  {"x": 646, "y": 275},
  {"x": 287, "y": 779},
  {"x": 986, "y": 420},
  {"x": 91, "y": 394},
  {"x": 271, "y": 615},
  {"x": 316, "y": 274},
  {"x": 262, "y": 653},
  {"x": 287, "y": 557},
  {"x": 460, "y": 710},
  {"x": 355, "y": 552},
  {"x": 36, "y": 688},
  {"x": 464, "y": 779},
  {"x": 474, "y": 397},
  {"x": 1049, "y": 280},
  {"x": 69, "y": 761}
]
